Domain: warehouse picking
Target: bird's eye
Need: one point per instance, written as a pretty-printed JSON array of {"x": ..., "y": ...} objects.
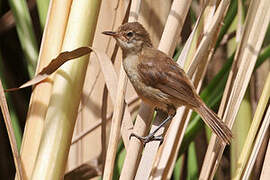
[{"x": 129, "y": 34}]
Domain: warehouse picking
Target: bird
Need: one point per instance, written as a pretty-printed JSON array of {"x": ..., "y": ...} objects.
[{"x": 159, "y": 81}]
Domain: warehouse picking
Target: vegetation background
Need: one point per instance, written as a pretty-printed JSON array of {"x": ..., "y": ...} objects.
[{"x": 69, "y": 126}]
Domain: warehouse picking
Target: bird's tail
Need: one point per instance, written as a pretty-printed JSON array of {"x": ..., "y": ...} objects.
[{"x": 215, "y": 123}]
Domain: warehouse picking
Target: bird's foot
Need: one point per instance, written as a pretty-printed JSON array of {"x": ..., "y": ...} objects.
[{"x": 148, "y": 138}]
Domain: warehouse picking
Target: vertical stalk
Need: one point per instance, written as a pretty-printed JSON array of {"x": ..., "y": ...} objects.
[{"x": 66, "y": 93}]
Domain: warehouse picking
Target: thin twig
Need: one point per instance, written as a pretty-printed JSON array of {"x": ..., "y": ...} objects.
[{"x": 11, "y": 135}]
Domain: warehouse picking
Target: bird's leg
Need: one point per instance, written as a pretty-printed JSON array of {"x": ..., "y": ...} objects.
[{"x": 151, "y": 137}]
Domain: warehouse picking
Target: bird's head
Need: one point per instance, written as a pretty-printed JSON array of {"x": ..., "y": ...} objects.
[{"x": 131, "y": 37}]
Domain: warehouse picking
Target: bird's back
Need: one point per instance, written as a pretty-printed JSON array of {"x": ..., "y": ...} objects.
[{"x": 159, "y": 71}]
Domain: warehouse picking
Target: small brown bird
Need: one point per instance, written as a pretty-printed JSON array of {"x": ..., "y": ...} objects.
[{"x": 159, "y": 81}]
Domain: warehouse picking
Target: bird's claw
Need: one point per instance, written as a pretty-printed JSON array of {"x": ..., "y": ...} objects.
[{"x": 146, "y": 139}]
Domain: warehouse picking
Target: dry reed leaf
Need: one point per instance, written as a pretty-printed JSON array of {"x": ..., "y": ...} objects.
[
  {"x": 54, "y": 65},
  {"x": 50, "y": 46},
  {"x": 266, "y": 165},
  {"x": 63, "y": 57},
  {"x": 255, "y": 27},
  {"x": 11, "y": 135}
]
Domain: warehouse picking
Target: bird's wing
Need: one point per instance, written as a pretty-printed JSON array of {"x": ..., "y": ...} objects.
[{"x": 163, "y": 73}]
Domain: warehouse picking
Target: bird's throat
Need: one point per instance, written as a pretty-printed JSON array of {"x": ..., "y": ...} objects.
[{"x": 130, "y": 63}]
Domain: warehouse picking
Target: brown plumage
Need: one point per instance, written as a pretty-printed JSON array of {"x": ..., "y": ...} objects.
[{"x": 159, "y": 81}]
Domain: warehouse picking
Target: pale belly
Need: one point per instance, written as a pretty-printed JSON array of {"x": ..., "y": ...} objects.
[{"x": 150, "y": 95}]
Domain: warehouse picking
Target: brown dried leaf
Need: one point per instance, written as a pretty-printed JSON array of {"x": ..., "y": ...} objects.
[
  {"x": 87, "y": 170},
  {"x": 54, "y": 65}
]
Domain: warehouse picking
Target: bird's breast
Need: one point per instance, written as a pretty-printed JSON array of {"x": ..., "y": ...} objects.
[{"x": 130, "y": 64}]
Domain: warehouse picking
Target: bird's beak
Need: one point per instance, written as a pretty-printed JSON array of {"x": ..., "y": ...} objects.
[{"x": 110, "y": 33}]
